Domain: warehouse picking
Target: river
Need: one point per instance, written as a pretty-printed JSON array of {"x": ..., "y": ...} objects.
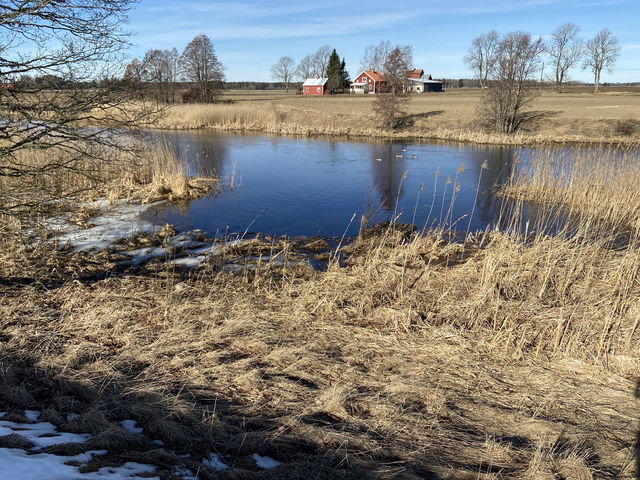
[{"x": 300, "y": 186}]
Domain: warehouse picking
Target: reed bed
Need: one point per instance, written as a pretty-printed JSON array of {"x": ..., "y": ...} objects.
[
  {"x": 447, "y": 117},
  {"x": 56, "y": 177}
]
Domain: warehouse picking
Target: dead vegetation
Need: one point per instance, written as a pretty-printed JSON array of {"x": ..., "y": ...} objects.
[
  {"x": 139, "y": 175},
  {"x": 573, "y": 116}
]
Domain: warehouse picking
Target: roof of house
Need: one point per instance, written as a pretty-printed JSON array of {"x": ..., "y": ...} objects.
[
  {"x": 377, "y": 76},
  {"x": 315, "y": 82},
  {"x": 415, "y": 73},
  {"x": 373, "y": 74},
  {"x": 423, "y": 80}
]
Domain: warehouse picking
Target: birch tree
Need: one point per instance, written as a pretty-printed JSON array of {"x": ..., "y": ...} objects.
[
  {"x": 481, "y": 57},
  {"x": 283, "y": 71},
  {"x": 565, "y": 49},
  {"x": 601, "y": 53},
  {"x": 518, "y": 60}
]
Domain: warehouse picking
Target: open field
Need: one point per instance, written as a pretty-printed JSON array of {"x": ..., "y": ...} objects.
[
  {"x": 503, "y": 356},
  {"x": 575, "y": 116}
]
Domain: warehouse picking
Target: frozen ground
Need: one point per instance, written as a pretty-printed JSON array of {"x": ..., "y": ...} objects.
[
  {"x": 29, "y": 462},
  {"x": 114, "y": 222}
]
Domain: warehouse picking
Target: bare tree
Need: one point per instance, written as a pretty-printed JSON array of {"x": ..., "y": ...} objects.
[
  {"x": 283, "y": 71},
  {"x": 306, "y": 68},
  {"x": 482, "y": 55},
  {"x": 375, "y": 56},
  {"x": 565, "y": 49},
  {"x": 502, "y": 108},
  {"x": 201, "y": 66},
  {"x": 158, "y": 73},
  {"x": 601, "y": 52},
  {"x": 321, "y": 60},
  {"x": 389, "y": 107},
  {"x": 76, "y": 46}
]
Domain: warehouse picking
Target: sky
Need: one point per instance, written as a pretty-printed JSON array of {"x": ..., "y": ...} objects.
[{"x": 250, "y": 36}]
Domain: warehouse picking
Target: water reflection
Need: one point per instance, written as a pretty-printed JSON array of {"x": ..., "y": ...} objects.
[{"x": 305, "y": 187}]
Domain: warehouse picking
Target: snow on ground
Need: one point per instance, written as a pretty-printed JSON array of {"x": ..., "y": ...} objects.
[
  {"x": 122, "y": 220},
  {"x": 267, "y": 463},
  {"x": 19, "y": 464},
  {"x": 32, "y": 464},
  {"x": 42, "y": 434},
  {"x": 184, "y": 473},
  {"x": 113, "y": 223},
  {"x": 214, "y": 461},
  {"x": 130, "y": 426}
]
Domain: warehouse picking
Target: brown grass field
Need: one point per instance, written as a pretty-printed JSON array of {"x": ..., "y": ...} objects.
[
  {"x": 503, "y": 356},
  {"x": 612, "y": 116}
]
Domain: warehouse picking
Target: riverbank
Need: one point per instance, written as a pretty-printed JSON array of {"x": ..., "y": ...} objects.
[
  {"x": 491, "y": 359},
  {"x": 572, "y": 117}
]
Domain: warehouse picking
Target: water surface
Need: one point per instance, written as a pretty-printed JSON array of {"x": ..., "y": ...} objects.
[{"x": 300, "y": 186}]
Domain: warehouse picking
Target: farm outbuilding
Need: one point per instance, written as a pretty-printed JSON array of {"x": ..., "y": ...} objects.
[
  {"x": 424, "y": 84},
  {"x": 314, "y": 86}
]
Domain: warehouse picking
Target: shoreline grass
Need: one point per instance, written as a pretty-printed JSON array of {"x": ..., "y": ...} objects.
[
  {"x": 588, "y": 119},
  {"x": 139, "y": 174}
]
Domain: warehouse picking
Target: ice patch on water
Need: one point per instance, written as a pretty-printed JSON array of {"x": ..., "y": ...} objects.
[{"x": 119, "y": 221}]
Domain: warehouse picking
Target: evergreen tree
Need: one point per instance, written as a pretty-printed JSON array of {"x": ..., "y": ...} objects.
[
  {"x": 334, "y": 71},
  {"x": 346, "y": 81}
]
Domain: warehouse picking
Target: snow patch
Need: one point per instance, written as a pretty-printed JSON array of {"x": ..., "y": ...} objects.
[
  {"x": 184, "y": 473},
  {"x": 266, "y": 463},
  {"x": 42, "y": 435},
  {"x": 130, "y": 426},
  {"x": 215, "y": 462},
  {"x": 119, "y": 221},
  {"x": 17, "y": 464},
  {"x": 32, "y": 415}
]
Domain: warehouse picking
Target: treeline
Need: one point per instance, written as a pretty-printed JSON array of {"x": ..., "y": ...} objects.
[
  {"x": 158, "y": 73},
  {"x": 259, "y": 85}
]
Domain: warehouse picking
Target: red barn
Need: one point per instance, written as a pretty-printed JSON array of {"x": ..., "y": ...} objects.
[
  {"x": 369, "y": 81},
  {"x": 314, "y": 86}
]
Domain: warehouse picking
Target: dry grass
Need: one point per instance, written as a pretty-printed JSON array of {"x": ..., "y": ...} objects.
[
  {"x": 575, "y": 116},
  {"x": 509, "y": 355},
  {"x": 139, "y": 175}
]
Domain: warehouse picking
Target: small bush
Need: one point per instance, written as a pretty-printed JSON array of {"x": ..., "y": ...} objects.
[{"x": 627, "y": 127}]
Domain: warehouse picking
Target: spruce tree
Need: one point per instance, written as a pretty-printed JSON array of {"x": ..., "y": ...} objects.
[
  {"x": 346, "y": 81},
  {"x": 334, "y": 71}
]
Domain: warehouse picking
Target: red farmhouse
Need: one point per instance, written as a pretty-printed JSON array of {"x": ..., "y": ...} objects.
[
  {"x": 315, "y": 86},
  {"x": 369, "y": 81}
]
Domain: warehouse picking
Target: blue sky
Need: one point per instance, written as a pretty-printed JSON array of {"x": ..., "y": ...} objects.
[{"x": 249, "y": 36}]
